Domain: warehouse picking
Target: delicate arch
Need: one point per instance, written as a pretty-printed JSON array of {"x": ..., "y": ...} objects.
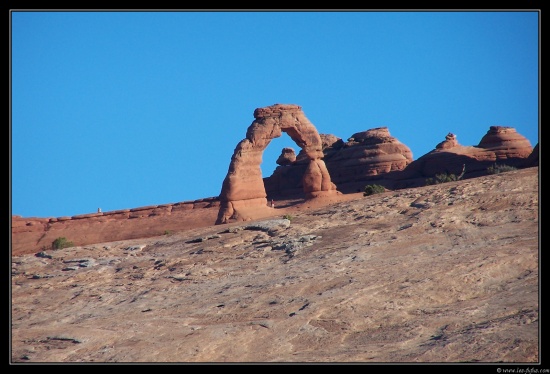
[{"x": 243, "y": 193}]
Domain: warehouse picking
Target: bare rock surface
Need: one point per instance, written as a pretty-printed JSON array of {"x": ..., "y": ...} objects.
[{"x": 442, "y": 273}]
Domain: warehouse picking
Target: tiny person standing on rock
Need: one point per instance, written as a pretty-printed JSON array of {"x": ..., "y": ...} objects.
[{"x": 272, "y": 203}]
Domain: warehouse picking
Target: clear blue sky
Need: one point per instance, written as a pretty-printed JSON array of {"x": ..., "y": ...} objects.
[{"x": 118, "y": 110}]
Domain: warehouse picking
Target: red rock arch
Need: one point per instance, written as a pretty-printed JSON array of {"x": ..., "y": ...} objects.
[{"x": 243, "y": 195}]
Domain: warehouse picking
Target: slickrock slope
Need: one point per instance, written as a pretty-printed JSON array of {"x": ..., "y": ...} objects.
[{"x": 441, "y": 273}]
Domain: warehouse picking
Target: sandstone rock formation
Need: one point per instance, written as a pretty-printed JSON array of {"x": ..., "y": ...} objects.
[
  {"x": 365, "y": 156},
  {"x": 329, "y": 140},
  {"x": 500, "y": 145},
  {"x": 506, "y": 141},
  {"x": 287, "y": 157},
  {"x": 533, "y": 159},
  {"x": 243, "y": 195},
  {"x": 449, "y": 142},
  {"x": 368, "y": 157},
  {"x": 31, "y": 234},
  {"x": 373, "y": 156}
]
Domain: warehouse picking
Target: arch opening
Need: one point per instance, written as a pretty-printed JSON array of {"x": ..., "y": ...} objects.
[{"x": 272, "y": 154}]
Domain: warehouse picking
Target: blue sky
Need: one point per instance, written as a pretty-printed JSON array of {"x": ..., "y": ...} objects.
[{"x": 118, "y": 110}]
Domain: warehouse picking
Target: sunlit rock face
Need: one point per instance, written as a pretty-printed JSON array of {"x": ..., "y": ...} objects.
[
  {"x": 449, "y": 142},
  {"x": 499, "y": 146},
  {"x": 287, "y": 157},
  {"x": 243, "y": 195},
  {"x": 365, "y": 156},
  {"x": 375, "y": 157}
]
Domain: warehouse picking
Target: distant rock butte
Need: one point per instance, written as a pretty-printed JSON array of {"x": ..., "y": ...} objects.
[{"x": 243, "y": 195}]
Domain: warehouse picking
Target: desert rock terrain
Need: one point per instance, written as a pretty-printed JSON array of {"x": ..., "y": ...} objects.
[{"x": 446, "y": 273}]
